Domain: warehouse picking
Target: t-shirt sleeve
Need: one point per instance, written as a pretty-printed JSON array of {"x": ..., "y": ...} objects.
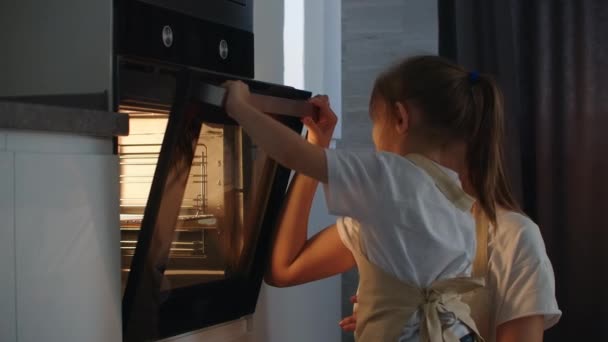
[
  {"x": 354, "y": 185},
  {"x": 527, "y": 284},
  {"x": 348, "y": 230}
]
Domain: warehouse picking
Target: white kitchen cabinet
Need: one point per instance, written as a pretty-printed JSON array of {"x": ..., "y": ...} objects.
[
  {"x": 67, "y": 247},
  {"x": 59, "y": 238}
]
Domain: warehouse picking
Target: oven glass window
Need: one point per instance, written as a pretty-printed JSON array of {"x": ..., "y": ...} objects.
[{"x": 221, "y": 209}]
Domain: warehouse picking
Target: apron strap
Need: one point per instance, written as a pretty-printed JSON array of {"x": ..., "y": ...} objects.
[
  {"x": 462, "y": 201},
  {"x": 480, "y": 264},
  {"x": 446, "y": 185}
]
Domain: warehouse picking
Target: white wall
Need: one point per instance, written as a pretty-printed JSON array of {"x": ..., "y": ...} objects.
[
  {"x": 322, "y": 52},
  {"x": 376, "y": 34}
]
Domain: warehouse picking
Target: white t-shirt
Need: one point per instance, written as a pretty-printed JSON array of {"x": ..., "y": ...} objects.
[{"x": 396, "y": 216}]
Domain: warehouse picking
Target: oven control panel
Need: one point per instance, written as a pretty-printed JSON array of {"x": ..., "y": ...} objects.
[{"x": 151, "y": 32}]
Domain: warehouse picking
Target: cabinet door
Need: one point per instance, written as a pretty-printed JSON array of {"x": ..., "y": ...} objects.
[
  {"x": 7, "y": 248},
  {"x": 67, "y": 247}
]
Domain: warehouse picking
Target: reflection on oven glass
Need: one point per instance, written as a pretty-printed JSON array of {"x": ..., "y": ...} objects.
[{"x": 220, "y": 213}]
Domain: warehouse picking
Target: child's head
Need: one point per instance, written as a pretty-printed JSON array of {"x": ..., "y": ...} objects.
[{"x": 427, "y": 102}]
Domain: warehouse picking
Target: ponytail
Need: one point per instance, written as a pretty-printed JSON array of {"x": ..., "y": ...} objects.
[
  {"x": 457, "y": 106},
  {"x": 485, "y": 154}
]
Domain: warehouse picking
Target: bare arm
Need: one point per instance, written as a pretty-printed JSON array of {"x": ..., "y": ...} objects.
[
  {"x": 321, "y": 257},
  {"x": 296, "y": 260},
  {"x": 279, "y": 142},
  {"x": 525, "y": 329}
]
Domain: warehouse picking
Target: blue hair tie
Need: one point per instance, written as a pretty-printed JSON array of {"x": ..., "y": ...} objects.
[{"x": 473, "y": 76}]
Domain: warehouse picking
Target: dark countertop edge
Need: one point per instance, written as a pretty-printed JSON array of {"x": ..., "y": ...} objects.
[{"x": 28, "y": 116}]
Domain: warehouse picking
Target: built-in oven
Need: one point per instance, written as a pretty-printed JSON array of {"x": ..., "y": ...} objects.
[{"x": 198, "y": 200}]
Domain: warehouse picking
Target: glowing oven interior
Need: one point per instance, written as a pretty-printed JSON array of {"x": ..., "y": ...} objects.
[{"x": 220, "y": 212}]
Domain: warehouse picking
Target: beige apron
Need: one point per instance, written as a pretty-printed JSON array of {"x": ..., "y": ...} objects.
[{"x": 385, "y": 303}]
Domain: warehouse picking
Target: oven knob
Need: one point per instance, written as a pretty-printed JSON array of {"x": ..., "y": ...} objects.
[
  {"x": 223, "y": 49},
  {"x": 167, "y": 36}
]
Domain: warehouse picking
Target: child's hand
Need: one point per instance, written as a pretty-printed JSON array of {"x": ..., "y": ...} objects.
[
  {"x": 237, "y": 97},
  {"x": 321, "y": 130},
  {"x": 349, "y": 324}
]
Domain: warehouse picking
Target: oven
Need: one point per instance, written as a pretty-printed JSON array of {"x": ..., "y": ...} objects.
[{"x": 198, "y": 200}]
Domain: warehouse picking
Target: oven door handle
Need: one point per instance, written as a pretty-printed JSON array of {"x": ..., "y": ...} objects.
[{"x": 214, "y": 95}]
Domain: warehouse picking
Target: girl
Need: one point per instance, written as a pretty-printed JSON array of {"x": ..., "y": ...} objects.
[{"x": 407, "y": 223}]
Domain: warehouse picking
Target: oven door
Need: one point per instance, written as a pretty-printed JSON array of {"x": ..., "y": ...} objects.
[{"x": 202, "y": 247}]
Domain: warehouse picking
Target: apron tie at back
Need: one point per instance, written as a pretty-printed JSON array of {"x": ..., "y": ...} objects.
[{"x": 385, "y": 303}]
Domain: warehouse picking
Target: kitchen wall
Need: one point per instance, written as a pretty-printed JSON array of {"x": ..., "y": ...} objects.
[{"x": 374, "y": 35}]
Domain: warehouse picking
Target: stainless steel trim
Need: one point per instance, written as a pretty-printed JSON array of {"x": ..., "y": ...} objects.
[{"x": 214, "y": 95}]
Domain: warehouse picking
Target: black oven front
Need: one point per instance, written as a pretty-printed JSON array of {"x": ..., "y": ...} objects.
[{"x": 198, "y": 200}]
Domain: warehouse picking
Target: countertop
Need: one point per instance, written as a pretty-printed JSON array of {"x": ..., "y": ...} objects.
[{"x": 53, "y": 118}]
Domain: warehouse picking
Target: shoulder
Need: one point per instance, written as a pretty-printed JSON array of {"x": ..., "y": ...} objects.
[
  {"x": 380, "y": 159},
  {"x": 520, "y": 270},
  {"x": 374, "y": 165},
  {"x": 395, "y": 166},
  {"x": 397, "y": 162},
  {"x": 518, "y": 239}
]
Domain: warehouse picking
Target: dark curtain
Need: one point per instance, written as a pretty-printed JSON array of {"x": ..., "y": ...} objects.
[{"x": 551, "y": 59}]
